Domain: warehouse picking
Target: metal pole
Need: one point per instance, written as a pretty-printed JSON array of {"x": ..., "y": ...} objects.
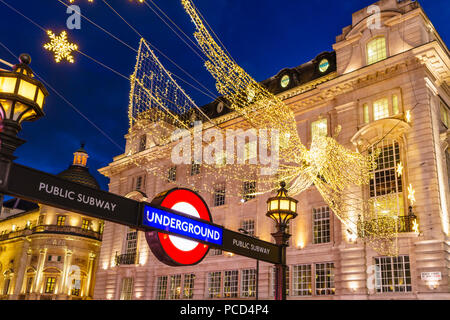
[{"x": 281, "y": 238}]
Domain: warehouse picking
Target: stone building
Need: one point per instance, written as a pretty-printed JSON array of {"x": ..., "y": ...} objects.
[
  {"x": 48, "y": 253},
  {"x": 387, "y": 86}
]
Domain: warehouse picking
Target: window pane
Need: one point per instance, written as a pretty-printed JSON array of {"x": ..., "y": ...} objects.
[
  {"x": 366, "y": 113},
  {"x": 395, "y": 108},
  {"x": 376, "y": 50},
  {"x": 393, "y": 274},
  {"x": 321, "y": 225},
  {"x": 319, "y": 128},
  {"x": 381, "y": 109}
]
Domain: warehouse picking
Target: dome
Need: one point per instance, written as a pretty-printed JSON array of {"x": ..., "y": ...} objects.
[
  {"x": 78, "y": 172},
  {"x": 80, "y": 175}
]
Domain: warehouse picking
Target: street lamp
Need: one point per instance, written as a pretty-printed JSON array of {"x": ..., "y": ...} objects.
[
  {"x": 281, "y": 209},
  {"x": 21, "y": 99}
]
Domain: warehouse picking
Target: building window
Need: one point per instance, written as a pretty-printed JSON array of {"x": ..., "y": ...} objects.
[
  {"x": 230, "y": 284},
  {"x": 86, "y": 224},
  {"x": 50, "y": 284},
  {"x": 214, "y": 284},
  {"x": 248, "y": 190},
  {"x": 249, "y": 226},
  {"x": 126, "y": 292},
  {"x": 376, "y": 50},
  {"x": 321, "y": 225},
  {"x": 319, "y": 128},
  {"x": 219, "y": 194},
  {"x": 41, "y": 220},
  {"x": 175, "y": 287},
  {"x": 248, "y": 282},
  {"x": 395, "y": 104},
  {"x": 142, "y": 143},
  {"x": 61, "y": 220},
  {"x": 325, "y": 279},
  {"x": 76, "y": 287},
  {"x": 161, "y": 288},
  {"x": 301, "y": 280},
  {"x": 366, "y": 118},
  {"x": 381, "y": 109},
  {"x": 392, "y": 274},
  {"x": 172, "y": 174},
  {"x": 131, "y": 241},
  {"x": 274, "y": 280},
  {"x": 444, "y": 114},
  {"x": 188, "y": 285},
  {"x": 386, "y": 187},
  {"x": 139, "y": 183},
  {"x": 29, "y": 284},
  {"x": 195, "y": 168}
]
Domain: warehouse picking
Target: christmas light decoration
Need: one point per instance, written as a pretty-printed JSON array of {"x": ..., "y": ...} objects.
[
  {"x": 411, "y": 195},
  {"x": 415, "y": 226},
  {"x": 399, "y": 169},
  {"x": 60, "y": 46},
  {"x": 159, "y": 106}
]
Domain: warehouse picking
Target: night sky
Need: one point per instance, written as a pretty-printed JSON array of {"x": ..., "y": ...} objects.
[{"x": 263, "y": 36}]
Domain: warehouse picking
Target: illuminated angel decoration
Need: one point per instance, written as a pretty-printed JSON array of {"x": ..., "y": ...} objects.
[{"x": 158, "y": 103}]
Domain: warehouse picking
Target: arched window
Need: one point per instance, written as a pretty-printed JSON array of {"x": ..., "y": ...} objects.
[
  {"x": 376, "y": 50},
  {"x": 386, "y": 186}
]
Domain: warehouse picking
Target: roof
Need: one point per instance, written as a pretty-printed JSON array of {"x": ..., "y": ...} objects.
[
  {"x": 20, "y": 204},
  {"x": 80, "y": 175}
]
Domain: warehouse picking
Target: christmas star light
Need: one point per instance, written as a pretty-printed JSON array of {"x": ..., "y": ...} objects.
[
  {"x": 415, "y": 226},
  {"x": 60, "y": 46},
  {"x": 399, "y": 169}
]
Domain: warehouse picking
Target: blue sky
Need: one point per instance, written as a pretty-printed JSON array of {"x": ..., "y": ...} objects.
[{"x": 263, "y": 36}]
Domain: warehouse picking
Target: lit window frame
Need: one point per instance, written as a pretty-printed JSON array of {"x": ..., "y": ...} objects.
[{"x": 379, "y": 54}]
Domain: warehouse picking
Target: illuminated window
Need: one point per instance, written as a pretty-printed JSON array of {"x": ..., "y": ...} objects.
[
  {"x": 381, "y": 109},
  {"x": 321, "y": 225},
  {"x": 140, "y": 183},
  {"x": 248, "y": 282},
  {"x": 395, "y": 107},
  {"x": 161, "y": 288},
  {"x": 76, "y": 287},
  {"x": 392, "y": 274},
  {"x": 325, "y": 279},
  {"x": 50, "y": 285},
  {"x": 86, "y": 224},
  {"x": 230, "y": 284},
  {"x": 61, "y": 220},
  {"x": 301, "y": 280},
  {"x": 249, "y": 226},
  {"x": 366, "y": 113},
  {"x": 248, "y": 190},
  {"x": 175, "y": 287},
  {"x": 319, "y": 128},
  {"x": 444, "y": 115},
  {"x": 188, "y": 285},
  {"x": 41, "y": 220},
  {"x": 214, "y": 284},
  {"x": 386, "y": 182},
  {"x": 126, "y": 292},
  {"x": 131, "y": 241},
  {"x": 376, "y": 50},
  {"x": 219, "y": 194}
]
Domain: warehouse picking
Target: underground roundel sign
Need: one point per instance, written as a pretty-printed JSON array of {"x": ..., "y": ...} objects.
[{"x": 175, "y": 250}]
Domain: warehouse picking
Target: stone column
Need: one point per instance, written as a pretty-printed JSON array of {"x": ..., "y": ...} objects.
[
  {"x": 21, "y": 269},
  {"x": 39, "y": 269},
  {"x": 86, "y": 290},
  {"x": 66, "y": 269}
]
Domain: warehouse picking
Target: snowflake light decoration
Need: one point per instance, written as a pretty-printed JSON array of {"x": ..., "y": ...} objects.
[{"x": 60, "y": 46}]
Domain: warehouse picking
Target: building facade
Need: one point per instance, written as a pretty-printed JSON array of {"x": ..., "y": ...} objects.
[
  {"x": 386, "y": 84},
  {"x": 48, "y": 253}
]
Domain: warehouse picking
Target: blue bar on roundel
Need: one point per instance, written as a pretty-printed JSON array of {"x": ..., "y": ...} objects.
[{"x": 170, "y": 222}]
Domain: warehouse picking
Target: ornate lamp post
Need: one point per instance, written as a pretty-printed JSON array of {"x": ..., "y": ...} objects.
[
  {"x": 22, "y": 98},
  {"x": 281, "y": 209}
]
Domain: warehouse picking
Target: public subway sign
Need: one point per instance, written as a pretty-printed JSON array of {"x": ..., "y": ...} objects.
[
  {"x": 41, "y": 187},
  {"x": 173, "y": 241},
  {"x": 181, "y": 216}
]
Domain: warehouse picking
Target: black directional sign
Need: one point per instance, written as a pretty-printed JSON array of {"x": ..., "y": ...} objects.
[{"x": 34, "y": 185}]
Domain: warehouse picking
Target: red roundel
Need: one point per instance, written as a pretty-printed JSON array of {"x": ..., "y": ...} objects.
[{"x": 173, "y": 250}]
